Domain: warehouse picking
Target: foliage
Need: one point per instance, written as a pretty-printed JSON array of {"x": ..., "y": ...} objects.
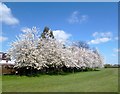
[
  {"x": 46, "y": 54},
  {"x": 111, "y": 66}
]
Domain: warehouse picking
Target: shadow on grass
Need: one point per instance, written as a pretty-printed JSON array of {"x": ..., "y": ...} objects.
[{"x": 54, "y": 73}]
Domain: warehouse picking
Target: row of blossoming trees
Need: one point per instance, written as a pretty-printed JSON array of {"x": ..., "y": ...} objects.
[{"x": 34, "y": 53}]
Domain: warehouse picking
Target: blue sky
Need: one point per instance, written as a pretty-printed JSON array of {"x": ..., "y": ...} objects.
[{"x": 95, "y": 23}]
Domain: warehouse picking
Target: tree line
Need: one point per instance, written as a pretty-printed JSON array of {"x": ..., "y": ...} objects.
[{"x": 43, "y": 53}]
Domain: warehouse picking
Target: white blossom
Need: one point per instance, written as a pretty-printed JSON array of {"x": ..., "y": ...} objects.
[{"x": 30, "y": 50}]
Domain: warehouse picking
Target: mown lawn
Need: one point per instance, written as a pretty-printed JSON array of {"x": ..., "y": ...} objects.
[{"x": 105, "y": 80}]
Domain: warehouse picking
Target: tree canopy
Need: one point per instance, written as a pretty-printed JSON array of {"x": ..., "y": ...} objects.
[{"x": 45, "y": 52}]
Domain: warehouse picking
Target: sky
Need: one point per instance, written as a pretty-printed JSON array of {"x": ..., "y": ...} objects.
[{"x": 93, "y": 22}]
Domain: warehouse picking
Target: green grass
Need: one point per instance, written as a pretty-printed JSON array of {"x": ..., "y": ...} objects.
[{"x": 105, "y": 80}]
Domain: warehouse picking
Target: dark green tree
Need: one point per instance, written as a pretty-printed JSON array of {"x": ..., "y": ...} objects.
[{"x": 47, "y": 33}]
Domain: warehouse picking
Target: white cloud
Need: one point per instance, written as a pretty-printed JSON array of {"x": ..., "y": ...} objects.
[
  {"x": 116, "y": 38},
  {"x": 102, "y": 34},
  {"x": 101, "y": 37},
  {"x": 95, "y": 34},
  {"x": 3, "y": 38},
  {"x": 114, "y": 55},
  {"x": 116, "y": 49},
  {"x": 61, "y": 35},
  {"x": 99, "y": 40},
  {"x": 6, "y": 15},
  {"x": 77, "y": 18}
]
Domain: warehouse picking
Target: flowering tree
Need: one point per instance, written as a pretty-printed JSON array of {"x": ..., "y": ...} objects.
[
  {"x": 23, "y": 48},
  {"x": 32, "y": 51}
]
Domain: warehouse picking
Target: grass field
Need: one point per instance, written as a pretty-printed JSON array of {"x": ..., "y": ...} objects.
[{"x": 105, "y": 80}]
